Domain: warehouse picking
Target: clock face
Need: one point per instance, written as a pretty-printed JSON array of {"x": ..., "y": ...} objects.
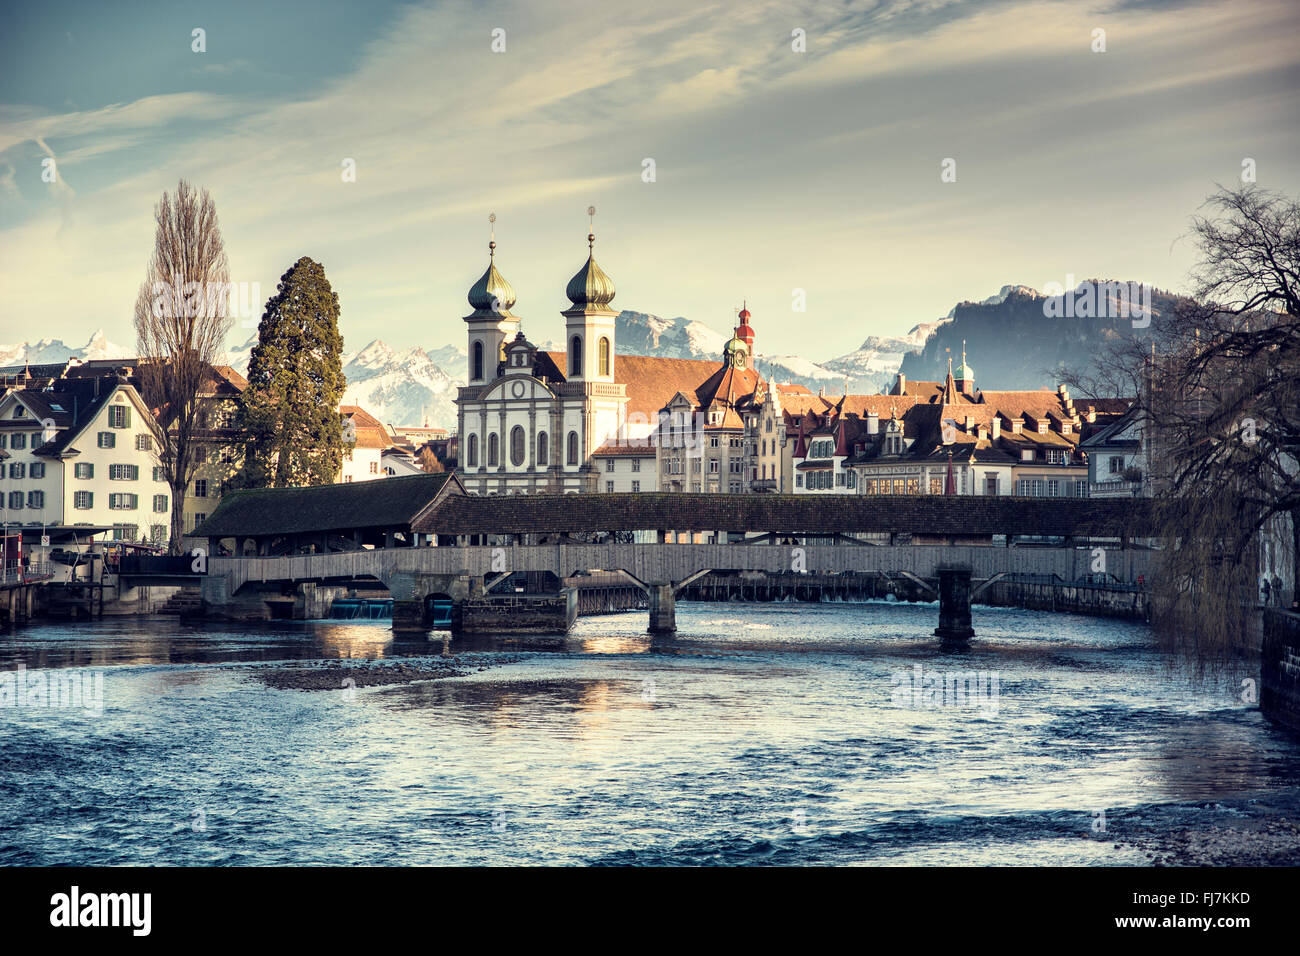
[{"x": 737, "y": 352}]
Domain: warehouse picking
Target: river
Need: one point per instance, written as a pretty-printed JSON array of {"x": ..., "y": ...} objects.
[{"x": 786, "y": 733}]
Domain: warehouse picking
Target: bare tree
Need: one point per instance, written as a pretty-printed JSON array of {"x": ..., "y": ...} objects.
[
  {"x": 181, "y": 323},
  {"x": 1223, "y": 406},
  {"x": 429, "y": 461}
]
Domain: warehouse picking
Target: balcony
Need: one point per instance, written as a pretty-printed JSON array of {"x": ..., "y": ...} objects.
[{"x": 1115, "y": 489}]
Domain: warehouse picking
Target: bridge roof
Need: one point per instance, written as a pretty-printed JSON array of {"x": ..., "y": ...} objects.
[
  {"x": 813, "y": 514},
  {"x": 389, "y": 503}
]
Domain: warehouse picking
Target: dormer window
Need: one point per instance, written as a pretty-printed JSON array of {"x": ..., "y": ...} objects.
[
  {"x": 1042, "y": 426},
  {"x": 1027, "y": 454}
]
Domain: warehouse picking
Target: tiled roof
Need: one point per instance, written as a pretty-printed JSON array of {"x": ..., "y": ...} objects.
[
  {"x": 624, "y": 451},
  {"x": 370, "y": 431},
  {"x": 814, "y": 514},
  {"x": 652, "y": 382},
  {"x": 390, "y": 503}
]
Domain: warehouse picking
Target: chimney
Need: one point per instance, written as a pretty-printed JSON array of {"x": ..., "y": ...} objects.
[
  {"x": 1064, "y": 393},
  {"x": 873, "y": 423},
  {"x": 900, "y": 387},
  {"x": 1017, "y": 426},
  {"x": 996, "y": 427},
  {"x": 970, "y": 424},
  {"x": 1092, "y": 415}
]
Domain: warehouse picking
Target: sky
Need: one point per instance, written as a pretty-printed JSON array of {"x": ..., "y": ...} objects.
[{"x": 775, "y": 169}]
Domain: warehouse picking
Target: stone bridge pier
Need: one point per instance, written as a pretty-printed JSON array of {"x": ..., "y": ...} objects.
[
  {"x": 663, "y": 608},
  {"x": 411, "y": 588}
]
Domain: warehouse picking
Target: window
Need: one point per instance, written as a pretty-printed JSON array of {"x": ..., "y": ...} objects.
[
  {"x": 37, "y": 470},
  {"x": 573, "y": 448},
  {"x": 4, "y": 440},
  {"x": 124, "y": 532},
  {"x": 1055, "y": 456},
  {"x": 374, "y": 467},
  {"x": 494, "y": 450},
  {"x": 542, "y": 451},
  {"x": 83, "y": 499},
  {"x": 609, "y": 464},
  {"x": 477, "y": 375},
  {"x": 143, "y": 443},
  {"x": 1027, "y": 454},
  {"x": 123, "y": 502},
  {"x": 123, "y": 472},
  {"x": 517, "y": 446},
  {"x": 1116, "y": 464},
  {"x": 713, "y": 466},
  {"x": 36, "y": 499},
  {"x": 157, "y": 473},
  {"x": 17, "y": 469},
  {"x": 471, "y": 455},
  {"x": 604, "y": 356},
  {"x": 347, "y": 479},
  {"x": 1081, "y": 488},
  {"x": 160, "y": 503},
  {"x": 1053, "y": 488},
  {"x": 575, "y": 355},
  {"x": 200, "y": 487},
  {"x": 852, "y": 479},
  {"x": 636, "y": 464},
  {"x": 636, "y": 486},
  {"x": 83, "y": 469},
  {"x": 798, "y": 481},
  {"x": 609, "y": 486},
  {"x": 158, "y": 534},
  {"x": 119, "y": 416},
  {"x": 936, "y": 486},
  {"x": 990, "y": 484},
  {"x": 19, "y": 440},
  {"x": 107, "y": 440},
  {"x": 769, "y": 424},
  {"x": 200, "y": 517}
]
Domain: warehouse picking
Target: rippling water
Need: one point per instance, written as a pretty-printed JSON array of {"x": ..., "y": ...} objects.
[{"x": 760, "y": 733}]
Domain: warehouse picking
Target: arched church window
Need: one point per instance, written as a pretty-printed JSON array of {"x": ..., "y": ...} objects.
[
  {"x": 478, "y": 361},
  {"x": 573, "y": 448},
  {"x": 542, "y": 450},
  {"x": 517, "y": 446},
  {"x": 604, "y": 356},
  {"x": 493, "y": 450},
  {"x": 471, "y": 456},
  {"x": 575, "y": 355}
]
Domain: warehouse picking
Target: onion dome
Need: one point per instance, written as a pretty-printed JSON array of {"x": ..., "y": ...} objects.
[
  {"x": 491, "y": 294},
  {"x": 590, "y": 288}
]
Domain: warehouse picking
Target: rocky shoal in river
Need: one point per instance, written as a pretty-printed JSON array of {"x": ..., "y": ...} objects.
[
  {"x": 334, "y": 675},
  {"x": 1254, "y": 843}
]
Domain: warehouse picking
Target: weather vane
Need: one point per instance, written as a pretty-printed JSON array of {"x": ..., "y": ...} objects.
[
  {"x": 492, "y": 245},
  {"x": 591, "y": 228}
]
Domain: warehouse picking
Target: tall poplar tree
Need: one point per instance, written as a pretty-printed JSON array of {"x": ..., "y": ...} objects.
[{"x": 295, "y": 381}]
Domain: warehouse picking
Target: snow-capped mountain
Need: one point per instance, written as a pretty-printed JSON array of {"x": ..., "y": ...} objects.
[
  {"x": 402, "y": 388},
  {"x": 52, "y": 351}
]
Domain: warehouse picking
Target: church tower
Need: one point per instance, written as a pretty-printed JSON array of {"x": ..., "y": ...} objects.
[
  {"x": 589, "y": 322},
  {"x": 491, "y": 323}
]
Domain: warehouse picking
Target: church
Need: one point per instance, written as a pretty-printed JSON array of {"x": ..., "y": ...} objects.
[{"x": 585, "y": 419}]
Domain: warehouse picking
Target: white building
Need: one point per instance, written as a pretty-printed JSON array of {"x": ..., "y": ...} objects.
[
  {"x": 533, "y": 421},
  {"x": 80, "y": 455}
]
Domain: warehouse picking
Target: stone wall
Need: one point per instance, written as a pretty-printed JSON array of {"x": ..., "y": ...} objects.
[{"x": 1279, "y": 696}]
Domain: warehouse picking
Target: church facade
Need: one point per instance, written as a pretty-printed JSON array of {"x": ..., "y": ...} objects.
[{"x": 533, "y": 421}]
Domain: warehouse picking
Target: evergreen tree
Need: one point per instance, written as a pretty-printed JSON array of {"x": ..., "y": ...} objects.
[{"x": 295, "y": 381}]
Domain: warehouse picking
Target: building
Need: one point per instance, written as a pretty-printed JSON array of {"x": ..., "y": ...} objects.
[
  {"x": 580, "y": 420},
  {"x": 220, "y": 445},
  {"x": 79, "y": 457},
  {"x": 707, "y": 434},
  {"x": 1117, "y": 458},
  {"x": 945, "y": 438},
  {"x": 364, "y": 440}
]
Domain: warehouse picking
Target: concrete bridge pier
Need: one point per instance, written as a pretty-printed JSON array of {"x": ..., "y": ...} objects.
[
  {"x": 663, "y": 608},
  {"x": 954, "y": 606}
]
